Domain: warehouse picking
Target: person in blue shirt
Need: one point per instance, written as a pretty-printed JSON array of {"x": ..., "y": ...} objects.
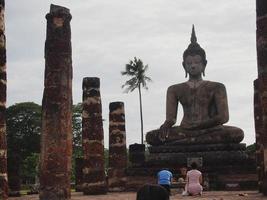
[{"x": 165, "y": 179}]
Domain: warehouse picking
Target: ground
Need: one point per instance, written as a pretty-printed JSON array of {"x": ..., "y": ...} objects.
[{"x": 211, "y": 195}]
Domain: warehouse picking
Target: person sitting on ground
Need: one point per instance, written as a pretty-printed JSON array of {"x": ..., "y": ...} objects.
[
  {"x": 193, "y": 181},
  {"x": 152, "y": 192},
  {"x": 165, "y": 179}
]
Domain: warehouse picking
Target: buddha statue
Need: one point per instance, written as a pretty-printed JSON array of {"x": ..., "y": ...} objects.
[{"x": 204, "y": 104}]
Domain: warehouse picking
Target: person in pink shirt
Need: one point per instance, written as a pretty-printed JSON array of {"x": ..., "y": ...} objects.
[{"x": 193, "y": 181}]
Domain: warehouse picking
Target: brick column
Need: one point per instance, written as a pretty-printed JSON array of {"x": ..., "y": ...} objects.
[
  {"x": 3, "y": 144},
  {"x": 94, "y": 180},
  {"x": 117, "y": 147},
  {"x": 259, "y": 132},
  {"x": 137, "y": 154},
  {"x": 261, "y": 9},
  {"x": 56, "y": 138}
]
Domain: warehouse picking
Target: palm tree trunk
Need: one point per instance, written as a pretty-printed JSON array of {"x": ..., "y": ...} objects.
[{"x": 141, "y": 114}]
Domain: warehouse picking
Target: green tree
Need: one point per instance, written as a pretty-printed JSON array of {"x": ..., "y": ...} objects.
[
  {"x": 29, "y": 168},
  {"x": 23, "y": 136},
  {"x": 77, "y": 129},
  {"x": 136, "y": 70},
  {"x": 77, "y": 136}
]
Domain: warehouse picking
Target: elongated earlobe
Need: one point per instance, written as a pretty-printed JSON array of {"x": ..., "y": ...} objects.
[{"x": 184, "y": 69}]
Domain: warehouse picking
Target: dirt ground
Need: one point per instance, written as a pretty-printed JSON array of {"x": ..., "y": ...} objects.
[{"x": 211, "y": 195}]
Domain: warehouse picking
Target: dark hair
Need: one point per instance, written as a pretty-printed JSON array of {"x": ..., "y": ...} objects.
[
  {"x": 196, "y": 51},
  {"x": 193, "y": 165},
  {"x": 152, "y": 192}
]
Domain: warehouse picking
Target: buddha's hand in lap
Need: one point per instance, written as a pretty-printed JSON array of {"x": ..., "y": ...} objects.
[{"x": 164, "y": 131}]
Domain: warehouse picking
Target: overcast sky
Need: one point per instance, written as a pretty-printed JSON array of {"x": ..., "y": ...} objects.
[{"x": 106, "y": 34}]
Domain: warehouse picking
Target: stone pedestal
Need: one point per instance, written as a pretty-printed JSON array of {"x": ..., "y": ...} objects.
[{"x": 117, "y": 148}]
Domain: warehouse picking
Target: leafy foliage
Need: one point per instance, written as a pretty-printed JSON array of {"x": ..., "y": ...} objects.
[
  {"x": 136, "y": 70},
  {"x": 77, "y": 130},
  {"x": 77, "y": 136},
  {"x": 23, "y": 136},
  {"x": 29, "y": 168}
]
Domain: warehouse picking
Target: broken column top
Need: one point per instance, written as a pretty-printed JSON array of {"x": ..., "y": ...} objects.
[
  {"x": 91, "y": 82},
  {"x": 115, "y": 105},
  {"x": 59, "y": 11}
]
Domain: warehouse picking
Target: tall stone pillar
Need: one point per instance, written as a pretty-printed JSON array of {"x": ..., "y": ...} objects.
[
  {"x": 117, "y": 148},
  {"x": 94, "y": 179},
  {"x": 3, "y": 144},
  {"x": 56, "y": 138},
  {"x": 259, "y": 133},
  {"x": 261, "y": 9}
]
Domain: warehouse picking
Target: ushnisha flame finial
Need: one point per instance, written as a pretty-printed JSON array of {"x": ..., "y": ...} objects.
[{"x": 193, "y": 35}]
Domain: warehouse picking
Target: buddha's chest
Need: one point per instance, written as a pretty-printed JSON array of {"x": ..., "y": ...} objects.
[{"x": 197, "y": 97}]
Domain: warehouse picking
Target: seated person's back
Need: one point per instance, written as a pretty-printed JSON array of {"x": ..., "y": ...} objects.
[{"x": 194, "y": 180}]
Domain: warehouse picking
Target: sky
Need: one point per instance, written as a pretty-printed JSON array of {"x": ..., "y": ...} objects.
[{"x": 107, "y": 34}]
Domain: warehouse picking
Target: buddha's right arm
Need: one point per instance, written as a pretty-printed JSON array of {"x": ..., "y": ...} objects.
[{"x": 171, "y": 108}]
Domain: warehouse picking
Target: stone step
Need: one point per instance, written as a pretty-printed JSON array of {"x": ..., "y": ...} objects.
[{"x": 197, "y": 148}]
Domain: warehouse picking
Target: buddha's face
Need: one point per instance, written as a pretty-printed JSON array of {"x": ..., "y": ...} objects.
[{"x": 194, "y": 65}]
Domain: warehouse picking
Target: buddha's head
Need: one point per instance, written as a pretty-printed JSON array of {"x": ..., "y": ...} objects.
[{"x": 196, "y": 55}]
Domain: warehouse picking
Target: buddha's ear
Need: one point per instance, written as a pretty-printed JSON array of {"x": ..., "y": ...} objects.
[
  {"x": 205, "y": 62},
  {"x": 185, "y": 69},
  {"x": 204, "y": 67}
]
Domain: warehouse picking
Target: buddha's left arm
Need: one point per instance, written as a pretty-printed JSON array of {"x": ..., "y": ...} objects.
[{"x": 221, "y": 114}]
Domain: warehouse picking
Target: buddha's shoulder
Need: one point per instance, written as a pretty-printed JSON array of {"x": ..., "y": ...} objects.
[
  {"x": 210, "y": 85},
  {"x": 177, "y": 86},
  {"x": 213, "y": 84}
]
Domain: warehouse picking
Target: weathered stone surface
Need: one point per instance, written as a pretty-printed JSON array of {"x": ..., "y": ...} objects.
[
  {"x": 117, "y": 147},
  {"x": 3, "y": 144},
  {"x": 137, "y": 154},
  {"x": 56, "y": 145},
  {"x": 261, "y": 94},
  {"x": 209, "y": 157},
  {"x": 196, "y": 148},
  {"x": 258, "y": 130},
  {"x": 94, "y": 179}
]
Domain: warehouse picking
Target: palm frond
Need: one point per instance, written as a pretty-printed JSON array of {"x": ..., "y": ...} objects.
[{"x": 135, "y": 69}]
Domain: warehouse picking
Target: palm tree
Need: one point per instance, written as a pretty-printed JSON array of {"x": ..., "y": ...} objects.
[{"x": 136, "y": 70}]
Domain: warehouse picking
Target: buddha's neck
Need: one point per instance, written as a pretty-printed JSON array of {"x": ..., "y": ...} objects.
[
  {"x": 194, "y": 83},
  {"x": 194, "y": 79}
]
